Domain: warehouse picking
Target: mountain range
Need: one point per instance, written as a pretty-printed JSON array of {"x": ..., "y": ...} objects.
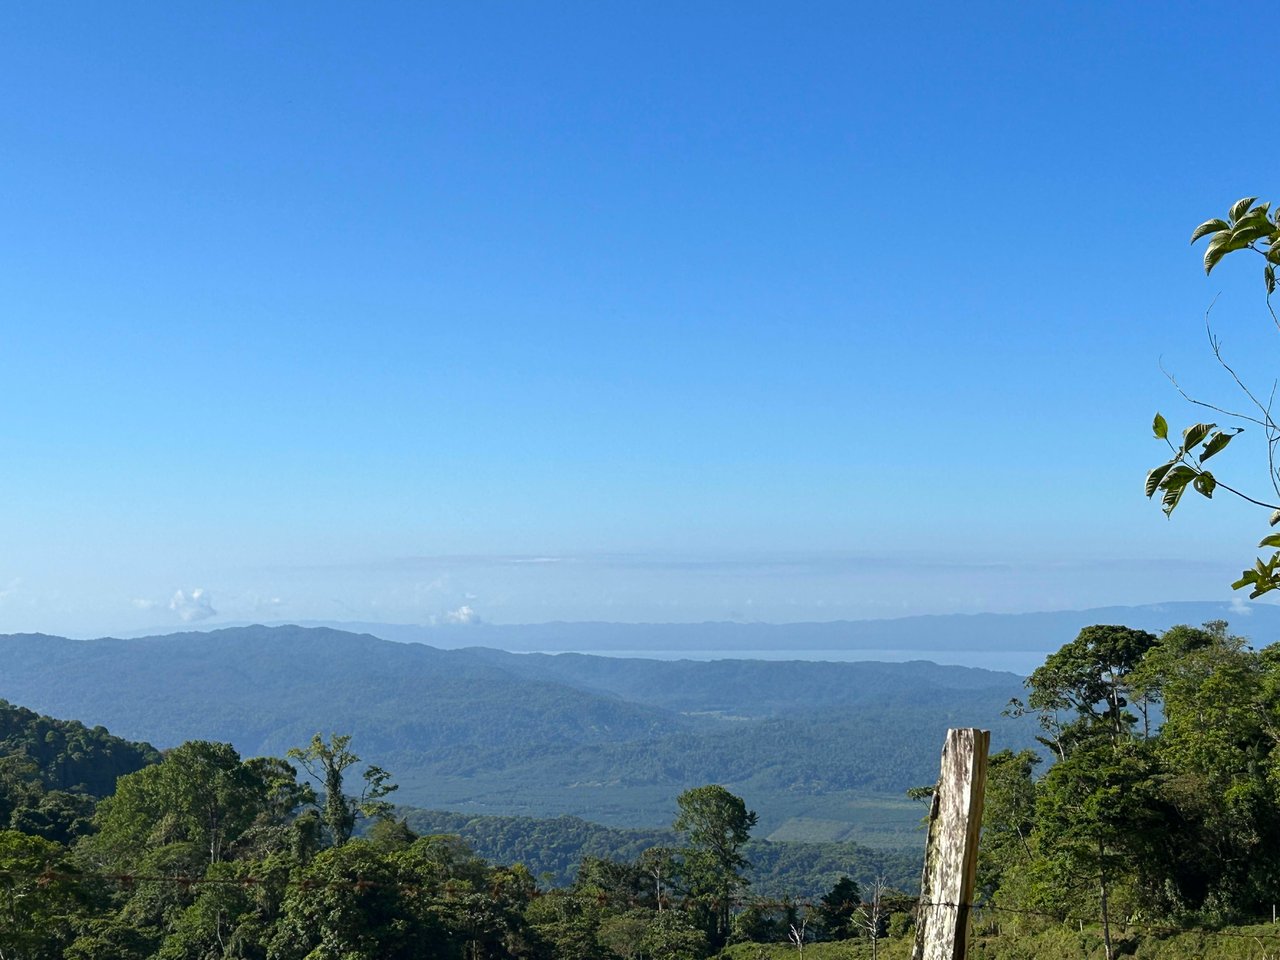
[
  {"x": 1005, "y": 641},
  {"x": 824, "y": 751}
]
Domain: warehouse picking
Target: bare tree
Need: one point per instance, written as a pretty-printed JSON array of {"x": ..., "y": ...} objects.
[
  {"x": 871, "y": 915},
  {"x": 659, "y": 863},
  {"x": 796, "y": 932}
]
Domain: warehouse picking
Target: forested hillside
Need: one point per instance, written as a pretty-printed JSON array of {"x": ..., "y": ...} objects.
[
  {"x": 1158, "y": 744},
  {"x": 51, "y": 771},
  {"x": 755, "y": 688},
  {"x": 553, "y": 849},
  {"x": 204, "y": 853},
  {"x": 65, "y": 754},
  {"x": 824, "y": 750}
]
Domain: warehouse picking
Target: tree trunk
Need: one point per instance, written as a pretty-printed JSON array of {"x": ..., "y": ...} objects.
[{"x": 1106, "y": 918}]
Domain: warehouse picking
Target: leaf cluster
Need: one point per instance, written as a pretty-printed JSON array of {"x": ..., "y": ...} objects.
[
  {"x": 1248, "y": 226},
  {"x": 1185, "y": 468}
]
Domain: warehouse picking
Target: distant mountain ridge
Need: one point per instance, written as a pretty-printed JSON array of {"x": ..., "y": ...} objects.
[
  {"x": 823, "y": 751},
  {"x": 932, "y": 636}
]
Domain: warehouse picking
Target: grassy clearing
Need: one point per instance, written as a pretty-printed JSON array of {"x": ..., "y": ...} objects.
[{"x": 1259, "y": 942}]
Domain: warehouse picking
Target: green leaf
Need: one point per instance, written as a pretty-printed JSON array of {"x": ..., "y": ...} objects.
[
  {"x": 1263, "y": 577},
  {"x": 1173, "y": 485},
  {"x": 1258, "y": 215},
  {"x": 1171, "y": 497},
  {"x": 1178, "y": 477},
  {"x": 1219, "y": 247},
  {"x": 1271, "y": 541},
  {"x": 1195, "y": 433},
  {"x": 1205, "y": 484},
  {"x": 1247, "y": 231},
  {"x": 1209, "y": 226},
  {"x": 1247, "y": 577},
  {"x": 1156, "y": 475},
  {"x": 1217, "y": 443},
  {"x": 1160, "y": 427},
  {"x": 1240, "y": 207},
  {"x": 1269, "y": 278}
]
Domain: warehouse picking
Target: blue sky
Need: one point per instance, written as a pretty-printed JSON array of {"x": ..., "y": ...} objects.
[{"x": 338, "y": 311}]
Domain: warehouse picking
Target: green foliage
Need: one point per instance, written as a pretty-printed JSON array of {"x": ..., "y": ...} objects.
[
  {"x": 625, "y": 934},
  {"x": 1161, "y": 811},
  {"x": 110, "y": 938},
  {"x": 1248, "y": 226},
  {"x": 613, "y": 740},
  {"x": 552, "y": 849},
  {"x": 1175, "y": 818},
  {"x": 671, "y": 936},
  {"x": 51, "y": 771},
  {"x": 202, "y": 795},
  {"x": 1009, "y": 817},
  {"x": 566, "y": 928},
  {"x": 838, "y": 909},
  {"x": 716, "y": 825},
  {"x": 66, "y": 754},
  {"x": 325, "y": 762},
  {"x": 350, "y": 908},
  {"x": 898, "y": 948},
  {"x": 226, "y": 918},
  {"x": 39, "y": 903},
  {"x": 238, "y": 838},
  {"x": 1090, "y": 680}
]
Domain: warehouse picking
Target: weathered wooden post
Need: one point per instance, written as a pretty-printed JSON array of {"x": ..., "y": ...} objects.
[{"x": 951, "y": 855}]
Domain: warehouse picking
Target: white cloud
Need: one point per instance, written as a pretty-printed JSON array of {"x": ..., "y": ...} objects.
[
  {"x": 259, "y": 604},
  {"x": 1240, "y": 607},
  {"x": 463, "y": 615},
  {"x": 196, "y": 606},
  {"x": 142, "y": 604}
]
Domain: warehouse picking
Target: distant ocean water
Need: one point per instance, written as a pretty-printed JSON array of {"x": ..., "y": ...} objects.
[{"x": 1021, "y": 662}]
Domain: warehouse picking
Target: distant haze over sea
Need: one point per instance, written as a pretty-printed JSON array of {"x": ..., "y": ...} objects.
[{"x": 999, "y": 641}]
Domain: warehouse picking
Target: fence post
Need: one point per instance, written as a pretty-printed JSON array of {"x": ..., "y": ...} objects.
[{"x": 951, "y": 855}]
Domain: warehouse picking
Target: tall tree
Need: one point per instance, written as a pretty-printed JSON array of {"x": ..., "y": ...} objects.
[
  {"x": 715, "y": 824},
  {"x": 1096, "y": 807},
  {"x": 838, "y": 909},
  {"x": 202, "y": 795},
  {"x": 1099, "y": 818},
  {"x": 1090, "y": 681},
  {"x": 1099, "y": 826},
  {"x": 1217, "y": 749},
  {"x": 326, "y": 762}
]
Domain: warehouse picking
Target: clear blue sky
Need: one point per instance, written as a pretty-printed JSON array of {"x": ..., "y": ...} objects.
[{"x": 755, "y": 310}]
